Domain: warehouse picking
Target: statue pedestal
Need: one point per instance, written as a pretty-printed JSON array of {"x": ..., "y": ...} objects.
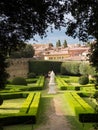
[{"x": 52, "y": 88}]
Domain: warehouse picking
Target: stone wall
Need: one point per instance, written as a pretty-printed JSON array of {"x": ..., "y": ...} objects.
[{"x": 18, "y": 67}]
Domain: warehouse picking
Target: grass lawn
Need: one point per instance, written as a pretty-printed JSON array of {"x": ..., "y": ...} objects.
[{"x": 11, "y": 106}]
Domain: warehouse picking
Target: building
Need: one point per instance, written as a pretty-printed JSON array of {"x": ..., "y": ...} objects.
[
  {"x": 47, "y": 52},
  {"x": 79, "y": 54}
]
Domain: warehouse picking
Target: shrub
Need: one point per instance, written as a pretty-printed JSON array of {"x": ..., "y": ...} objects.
[
  {"x": 32, "y": 75},
  {"x": 1, "y": 100},
  {"x": 19, "y": 81},
  {"x": 70, "y": 68},
  {"x": 83, "y": 80}
]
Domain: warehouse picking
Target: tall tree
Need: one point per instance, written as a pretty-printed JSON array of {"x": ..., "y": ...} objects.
[
  {"x": 58, "y": 43},
  {"x": 65, "y": 44}
]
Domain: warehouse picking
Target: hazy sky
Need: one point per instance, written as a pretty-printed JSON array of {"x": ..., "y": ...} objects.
[{"x": 54, "y": 37}]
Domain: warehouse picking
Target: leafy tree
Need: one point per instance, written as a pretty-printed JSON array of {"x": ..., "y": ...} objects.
[
  {"x": 20, "y": 20},
  {"x": 84, "y": 24},
  {"x": 87, "y": 69},
  {"x": 50, "y": 45},
  {"x": 58, "y": 43},
  {"x": 26, "y": 52},
  {"x": 70, "y": 68}
]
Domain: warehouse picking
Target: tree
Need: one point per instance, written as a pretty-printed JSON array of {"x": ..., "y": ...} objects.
[
  {"x": 3, "y": 74},
  {"x": 84, "y": 24},
  {"x": 65, "y": 44},
  {"x": 20, "y": 20},
  {"x": 87, "y": 69},
  {"x": 58, "y": 43},
  {"x": 25, "y": 52}
]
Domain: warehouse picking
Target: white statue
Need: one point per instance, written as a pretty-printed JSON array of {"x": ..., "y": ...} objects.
[
  {"x": 52, "y": 83},
  {"x": 52, "y": 77}
]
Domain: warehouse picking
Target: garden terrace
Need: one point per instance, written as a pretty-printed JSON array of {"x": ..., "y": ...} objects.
[{"x": 27, "y": 113}]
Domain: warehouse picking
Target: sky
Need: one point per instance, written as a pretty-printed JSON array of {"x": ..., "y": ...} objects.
[{"x": 54, "y": 37}]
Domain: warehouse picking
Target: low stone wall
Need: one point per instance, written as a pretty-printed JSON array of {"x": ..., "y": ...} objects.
[{"x": 18, "y": 67}]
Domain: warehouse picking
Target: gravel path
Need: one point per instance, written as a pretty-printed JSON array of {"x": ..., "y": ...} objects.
[{"x": 55, "y": 117}]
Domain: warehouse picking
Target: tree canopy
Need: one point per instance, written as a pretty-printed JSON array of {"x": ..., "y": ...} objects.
[
  {"x": 25, "y": 52},
  {"x": 22, "y": 19}
]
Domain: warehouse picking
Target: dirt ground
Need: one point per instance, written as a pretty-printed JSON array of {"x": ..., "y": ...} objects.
[{"x": 55, "y": 117}]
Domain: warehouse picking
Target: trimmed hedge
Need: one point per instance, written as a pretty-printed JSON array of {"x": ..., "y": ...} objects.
[
  {"x": 27, "y": 113},
  {"x": 39, "y": 84},
  {"x": 26, "y": 105},
  {"x": 31, "y": 80},
  {"x": 64, "y": 85},
  {"x": 33, "y": 84},
  {"x": 12, "y": 119},
  {"x": 43, "y": 67},
  {"x": 61, "y": 84},
  {"x": 88, "y": 118},
  {"x": 77, "y": 104},
  {"x": 19, "y": 81},
  {"x": 33, "y": 110},
  {"x": 11, "y": 95}
]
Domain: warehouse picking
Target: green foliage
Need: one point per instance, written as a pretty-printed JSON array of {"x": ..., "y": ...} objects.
[
  {"x": 77, "y": 104},
  {"x": 43, "y": 67},
  {"x": 14, "y": 95},
  {"x": 28, "y": 111},
  {"x": 65, "y": 44},
  {"x": 26, "y": 105},
  {"x": 19, "y": 81},
  {"x": 96, "y": 96},
  {"x": 87, "y": 69},
  {"x": 83, "y": 80},
  {"x": 58, "y": 43},
  {"x": 31, "y": 80},
  {"x": 1, "y": 100},
  {"x": 3, "y": 74},
  {"x": 31, "y": 75},
  {"x": 77, "y": 68},
  {"x": 26, "y": 52},
  {"x": 70, "y": 68}
]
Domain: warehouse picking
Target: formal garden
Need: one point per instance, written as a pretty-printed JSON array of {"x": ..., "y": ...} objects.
[{"x": 24, "y": 101}]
